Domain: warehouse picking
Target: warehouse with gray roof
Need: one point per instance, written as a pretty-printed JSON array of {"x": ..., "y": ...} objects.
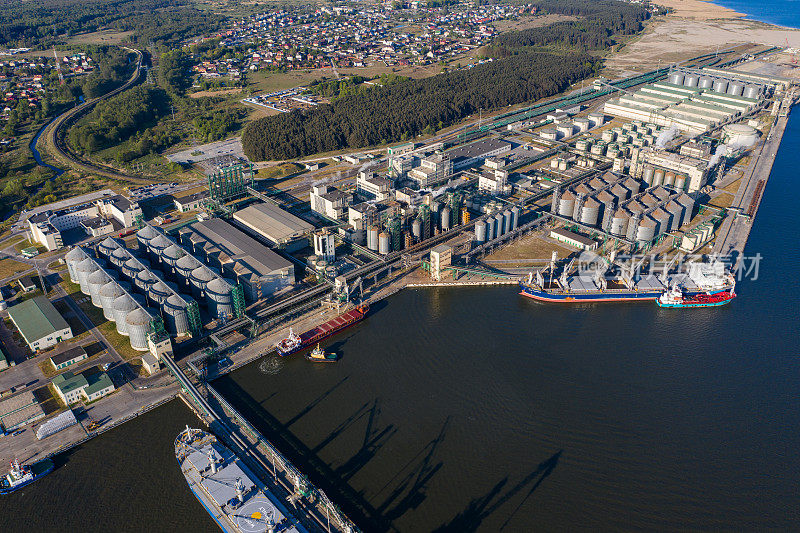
[{"x": 276, "y": 226}]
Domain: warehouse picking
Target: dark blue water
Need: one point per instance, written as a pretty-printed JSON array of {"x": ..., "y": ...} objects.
[
  {"x": 780, "y": 12},
  {"x": 38, "y": 157}
]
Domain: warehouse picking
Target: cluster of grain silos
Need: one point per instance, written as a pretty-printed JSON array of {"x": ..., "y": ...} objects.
[
  {"x": 132, "y": 318},
  {"x": 496, "y": 224},
  {"x": 719, "y": 84},
  {"x": 590, "y": 203},
  {"x": 651, "y": 213},
  {"x": 151, "y": 287},
  {"x": 189, "y": 274},
  {"x": 654, "y": 176}
]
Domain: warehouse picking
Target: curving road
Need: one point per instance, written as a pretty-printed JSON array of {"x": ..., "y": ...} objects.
[{"x": 55, "y": 131}]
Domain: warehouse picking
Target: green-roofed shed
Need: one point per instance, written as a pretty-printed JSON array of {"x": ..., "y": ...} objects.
[{"x": 40, "y": 324}]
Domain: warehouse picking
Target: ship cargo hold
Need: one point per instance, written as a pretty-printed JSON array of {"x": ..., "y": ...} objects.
[{"x": 294, "y": 343}]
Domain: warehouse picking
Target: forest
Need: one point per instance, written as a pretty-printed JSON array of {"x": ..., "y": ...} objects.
[
  {"x": 403, "y": 110},
  {"x": 45, "y": 22}
]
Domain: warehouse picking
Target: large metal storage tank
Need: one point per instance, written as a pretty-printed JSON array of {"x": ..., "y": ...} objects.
[
  {"x": 669, "y": 179},
  {"x": 96, "y": 280},
  {"x": 648, "y": 174},
  {"x": 218, "y": 296},
  {"x": 73, "y": 258},
  {"x": 184, "y": 267},
  {"x": 372, "y": 238},
  {"x": 705, "y": 82},
  {"x": 596, "y": 119},
  {"x": 108, "y": 293},
  {"x": 416, "y": 229},
  {"x": 751, "y": 91},
  {"x": 633, "y": 186},
  {"x": 514, "y": 217},
  {"x": 137, "y": 323},
  {"x": 131, "y": 268},
  {"x": 720, "y": 86},
  {"x": 676, "y": 211},
  {"x": 159, "y": 292},
  {"x": 157, "y": 245},
  {"x": 691, "y": 80},
  {"x": 199, "y": 279},
  {"x": 176, "y": 315},
  {"x": 500, "y": 224},
  {"x": 619, "y": 222},
  {"x": 736, "y": 88},
  {"x": 107, "y": 247},
  {"x": 507, "y": 220},
  {"x": 590, "y": 211},
  {"x": 480, "y": 232},
  {"x": 658, "y": 177},
  {"x": 145, "y": 235},
  {"x": 609, "y": 136},
  {"x": 582, "y": 124},
  {"x": 646, "y": 230},
  {"x": 83, "y": 270},
  {"x": 445, "y": 219},
  {"x": 144, "y": 280},
  {"x": 383, "y": 243},
  {"x": 688, "y": 207},
  {"x": 676, "y": 78},
  {"x": 664, "y": 220},
  {"x": 171, "y": 256},
  {"x": 118, "y": 258},
  {"x": 680, "y": 182},
  {"x": 566, "y": 204},
  {"x": 491, "y": 228},
  {"x": 122, "y": 306}
]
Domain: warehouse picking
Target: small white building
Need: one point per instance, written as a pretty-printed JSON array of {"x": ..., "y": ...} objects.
[
  {"x": 329, "y": 201},
  {"x": 573, "y": 239},
  {"x": 441, "y": 256},
  {"x": 325, "y": 246}
]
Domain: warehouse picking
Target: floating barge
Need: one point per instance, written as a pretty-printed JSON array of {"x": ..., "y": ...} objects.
[{"x": 294, "y": 342}]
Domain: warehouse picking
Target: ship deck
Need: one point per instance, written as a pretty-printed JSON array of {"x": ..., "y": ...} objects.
[
  {"x": 217, "y": 492},
  {"x": 333, "y": 324}
]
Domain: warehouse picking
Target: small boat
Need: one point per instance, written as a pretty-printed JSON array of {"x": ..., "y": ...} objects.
[
  {"x": 675, "y": 297},
  {"x": 21, "y": 475},
  {"x": 318, "y": 355}
]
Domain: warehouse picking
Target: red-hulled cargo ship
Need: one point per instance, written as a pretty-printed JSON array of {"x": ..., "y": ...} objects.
[{"x": 294, "y": 342}]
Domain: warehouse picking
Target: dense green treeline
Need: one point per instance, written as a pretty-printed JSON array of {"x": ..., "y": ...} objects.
[
  {"x": 351, "y": 85},
  {"x": 410, "y": 108},
  {"x": 44, "y": 22}
]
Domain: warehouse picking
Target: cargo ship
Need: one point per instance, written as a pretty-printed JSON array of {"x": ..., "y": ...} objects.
[
  {"x": 675, "y": 297},
  {"x": 700, "y": 278},
  {"x": 21, "y": 475},
  {"x": 227, "y": 489},
  {"x": 294, "y": 342}
]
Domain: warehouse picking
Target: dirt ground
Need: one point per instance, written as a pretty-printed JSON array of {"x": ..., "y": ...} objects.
[
  {"x": 530, "y": 247},
  {"x": 221, "y": 92}
]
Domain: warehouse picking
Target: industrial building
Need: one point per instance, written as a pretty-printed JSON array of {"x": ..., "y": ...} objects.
[
  {"x": 39, "y": 323},
  {"x": 72, "y": 388},
  {"x": 432, "y": 171},
  {"x": 69, "y": 357},
  {"x": 474, "y": 154},
  {"x": 191, "y": 202},
  {"x": 20, "y": 410},
  {"x": 259, "y": 270},
  {"x": 274, "y": 224},
  {"x": 46, "y": 227},
  {"x": 573, "y": 239},
  {"x": 372, "y": 186},
  {"x": 659, "y": 167},
  {"x": 329, "y": 201}
]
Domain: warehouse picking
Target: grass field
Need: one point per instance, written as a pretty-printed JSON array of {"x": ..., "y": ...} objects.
[
  {"x": 10, "y": 268},
  {"x": 100, "y": 37}
]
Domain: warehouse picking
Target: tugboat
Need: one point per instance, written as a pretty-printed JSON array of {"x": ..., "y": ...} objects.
[
  {"x": 675, "y": 297},
  {"x": 318, "y": 355},
  {"x": 21, "y": 475}
]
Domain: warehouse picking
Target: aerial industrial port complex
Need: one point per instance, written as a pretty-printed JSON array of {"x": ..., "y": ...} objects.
[{"x": 597, "y": 195}]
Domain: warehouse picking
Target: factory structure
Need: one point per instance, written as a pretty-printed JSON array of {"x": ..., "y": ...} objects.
[{"x": 274, "y": 225}]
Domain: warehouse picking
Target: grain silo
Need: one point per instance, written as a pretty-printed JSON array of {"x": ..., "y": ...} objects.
[
  {"x": 658, "y": 177},
  {"x": 131, "y": 268},
  {"x": 83, "y": 270},
  {"x": 752, "y": 91},
  {"x": 720, "y": 86},
  {"x": 145, "y": 235},
  {"x": 122, "y": 306},
  {"x": 73, "y": 258},
  {"x": 96, "y": 280},
  {"x": 156, "y": 247},
  {"x": 676, "y": 212},
  {"x": 137, "y": 324},
  {"x": 176, "y": 315},
  {"x": 514, "y": 217},
  {"x": 383, "y": 242},
  {"x": 508, "y": 218},
  {"x": 218, "y": 296},
  {"x": 159, "y": 292},
  {"x": 199, "y": 279},
  {"x": 736, "y": 88},
  {"x": 566, "y": 204},
  {"x": 144, "y": 280},
  {"x": 619, "y": 223},
  {"x": 107, "y": 247},
  {"x": 676, "y": 78},
  {"x": 705, "y": 82},
  {"x": 500, "y": 224},
  {"x": 691, "y": 80},
  {"x": 170, "y": 257},
  {"x": 491, "y": 228},
  {"x": 184, "y": 267},
  {"x": 646, "y": 230},
  {"x": 372, "y": 238},
  {"x": 108, "y": 293},
  {"x": 664, "y": 220},
  {"x": 480, "y": 232},
  {"x": 118, "y": 258},
  {"x": 589, "y": 212}
]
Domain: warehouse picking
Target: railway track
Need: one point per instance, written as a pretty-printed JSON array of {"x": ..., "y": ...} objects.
[{"x": 55, "y": 132}]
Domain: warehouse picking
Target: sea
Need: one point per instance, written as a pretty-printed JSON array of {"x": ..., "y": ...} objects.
[
  {"x": 779, "y": 12},
  {"x": 475, "y": 409}
]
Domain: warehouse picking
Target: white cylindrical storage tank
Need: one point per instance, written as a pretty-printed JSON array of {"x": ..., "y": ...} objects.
[
  {"x": 669, "y": 179},
  {"x": 73, "y": 258},
  {"x": 137, "y": 323},
  {"x": 582, "y": 124},
  {"x": 158, "y": 293},
  {"x": 372, "y": 238},
  {"x": 565, "y": 130},
  {"x": 740, "y": 135},
  {"x": 596, "y": 119},
  {"x": 658, "y": 177},
  {"x": 609, "y": 136},
  {"x": 383, "y": 242},
  {"x": 107, "y": 247},
  {"x": 176, "y": 315},
  {"x": 551, "y": 134},
  {"x": 648, "y": 175},
  {"x": 184, "y": 267},
  {"x": 199, "y": 279},
  {"x": 96, "y": 280},
  {"x": 480, "y": 232},
  {"x": 566, "y": 204},
  {"x": 416, "y": 229},
  {"x": 676, "y": 78},
  {"x": 118, "y": 258},
  {"x": 514, "y": 217},
  {"x": 170, "y": 257},
  {"x": 619, "y": 223},
  {"x": 445, "y": 216},
  {"x": 583, "y": 145},
  {"x": 720, "y": 86},
  {"x": 705, "y": 82},
  {"x": 599, "y": 148},
  {"x": 84, "y": 269},
  {"x": 122, "y": 306},
  {"x": 736, "y": 88},
  {"x": 108, "y": 293},
  {"x": 500, "y": 224},
  {"x": 562, "y": 164},
  {"x": 680, "y": 182},
  {"x": 491, "y": 228},
  {"x": 218, "y": 296},
  {"x": 589, "y": 212},
  {"x": 646, "y": 230},
  {"x": 145, "y": 235},
  {"x": 691, "y": 80},
  {"x": 131, "y": 268},
  {"x": 751, "y": 91},
  {"x": 507, "y": 220},
  {"x": 144, "y": 280}
]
